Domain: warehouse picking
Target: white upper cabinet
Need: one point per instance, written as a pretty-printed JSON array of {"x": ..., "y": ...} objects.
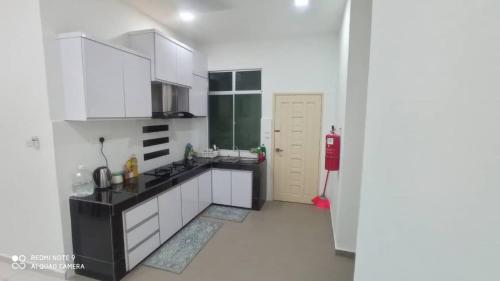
[
  {"x": 103, "y": 81},
  {"x": 184, "y": 66},
  {"x": 165, "y": 60},
  {"x": 198, "y": 96},
  {"x": 172, "y": 61},
  {"x": 137, "y": 86},
  {"x": 200, "y": 64}
]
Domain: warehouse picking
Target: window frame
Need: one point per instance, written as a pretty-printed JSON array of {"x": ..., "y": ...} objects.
[{"x": 235, "y": 92}]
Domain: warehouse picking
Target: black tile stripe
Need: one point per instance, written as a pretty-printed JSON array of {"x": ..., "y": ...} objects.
[
  {"x": 156, "y": 154},
  {"x": 157, "y": 141},
  {"x": 154, "y": 129}
]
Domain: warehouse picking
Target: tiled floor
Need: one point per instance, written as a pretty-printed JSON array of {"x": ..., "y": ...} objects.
[{"x": 282, "y": 242}]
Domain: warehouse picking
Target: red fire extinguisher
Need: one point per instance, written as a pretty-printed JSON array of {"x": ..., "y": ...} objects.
[
  {"x": 332, "y": 163},
  {"x": 332, "y": 152}
]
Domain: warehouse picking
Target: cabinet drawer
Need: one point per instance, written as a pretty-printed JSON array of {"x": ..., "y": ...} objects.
[
  {"x": 140, "y": 213},
  {"x": 141, "y": 232},
  {"x": 143, "y": 250}
]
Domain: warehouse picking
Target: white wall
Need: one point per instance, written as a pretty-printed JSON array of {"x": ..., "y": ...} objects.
[
  {"x": 430, "y": 192},
  {"x": 77, "y": 142},
  {"x": 307, "y": 64},
  {"x": 355, "y": 94},
  {"x": 340, "y": 104},
  {"x": 29, "y": 206}
]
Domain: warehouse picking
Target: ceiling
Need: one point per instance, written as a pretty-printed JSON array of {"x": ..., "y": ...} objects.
[{"x": 219, "y": 21}]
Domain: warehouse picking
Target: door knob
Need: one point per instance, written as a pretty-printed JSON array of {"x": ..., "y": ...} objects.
[{"x": 279, "y": 150}]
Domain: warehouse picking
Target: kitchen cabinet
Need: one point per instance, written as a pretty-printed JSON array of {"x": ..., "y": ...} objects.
[
  {"x": 165, "y": 59},
  {"x": 170, "y": 212},
  {"x": 189, "y": 194},
  {"x": 200, "y": 64},
  {"x": 198, "y": 96},
  {"x": 205, "y": 190},
  {"x": 103, "y": 81},
  {"x": 137, "y": 87},
  {"x": 141, "y": 232},
  {"x": 184, "y": 66},
  {"x": 171, "y": 60},
  {"x": 241, "y": 189},
  {"x": 221, "y": 186}
]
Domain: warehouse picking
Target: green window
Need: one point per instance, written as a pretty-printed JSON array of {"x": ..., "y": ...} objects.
[{"x": 234, "y": 115}]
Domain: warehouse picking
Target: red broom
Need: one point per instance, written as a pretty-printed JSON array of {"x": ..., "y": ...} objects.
[{"x": 321, "y": 201}]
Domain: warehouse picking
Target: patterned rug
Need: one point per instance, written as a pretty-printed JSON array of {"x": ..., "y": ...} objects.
[
  {"x": 179, "y": 251},
  {"x": 226, "y": 213}
]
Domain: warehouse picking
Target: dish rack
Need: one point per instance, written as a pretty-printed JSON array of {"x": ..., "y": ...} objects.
[{"x": 210, "y": 153}]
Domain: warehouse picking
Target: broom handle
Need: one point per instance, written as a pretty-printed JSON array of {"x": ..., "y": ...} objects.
[{"x": 326, "y": 181}]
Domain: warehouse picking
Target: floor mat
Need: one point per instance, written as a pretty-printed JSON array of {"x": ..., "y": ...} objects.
[
  {"x": 179, "y": 251},
  {"x": 226, "y": 213}
]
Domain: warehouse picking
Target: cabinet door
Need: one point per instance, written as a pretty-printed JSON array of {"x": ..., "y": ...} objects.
[
  {"x": 137, "y": 86},
  {"x": 184, "y": 66},
  {"x": 205, "y": 190},
  {"x": 200, "y": 64},
  {"x": 166, "y": 59},
  {"x": 221, "y": 187},
  {"x": 189, "y": 194},
  {"x": 241, "y": 189},
  {"x": 198, "y": 96},
  {"x": 170, "y": 211},
  {"x": 104, "y": 81}
]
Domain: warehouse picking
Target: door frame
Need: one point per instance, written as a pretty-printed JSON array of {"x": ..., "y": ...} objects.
[{"x": 275, "y": 95}]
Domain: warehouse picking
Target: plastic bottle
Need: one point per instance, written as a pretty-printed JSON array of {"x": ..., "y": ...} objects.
[
  {"x": 134, "y": 166},
  {"x": 82, "y": 182}
]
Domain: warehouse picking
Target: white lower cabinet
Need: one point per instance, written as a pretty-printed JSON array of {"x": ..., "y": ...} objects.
[
  {"x": 143, "y": 250},
  {"x": 150, "y": 224},
  {"x": 189, "y": 194},
  {"x": 221, "y": 186},
  {"x": 170, "y": 210},
  {"x": 140, "y": 232},
  {"x": 205, "y": 190},
  {"x": 241, "y": 189}
]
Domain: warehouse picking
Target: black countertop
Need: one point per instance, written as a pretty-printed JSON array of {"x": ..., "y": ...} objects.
[{"x": 122, "y": 196}]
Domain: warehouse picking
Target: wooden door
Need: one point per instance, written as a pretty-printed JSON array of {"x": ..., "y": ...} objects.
[{"x": 296, "y": 151}]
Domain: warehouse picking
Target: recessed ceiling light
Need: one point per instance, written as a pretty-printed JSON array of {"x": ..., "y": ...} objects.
[
  {"x": 301, "y": 3},
  {"x": 186, "y": 16}
]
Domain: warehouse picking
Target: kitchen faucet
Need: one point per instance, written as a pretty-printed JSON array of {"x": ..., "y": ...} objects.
[{"x": 239, "y": 151}]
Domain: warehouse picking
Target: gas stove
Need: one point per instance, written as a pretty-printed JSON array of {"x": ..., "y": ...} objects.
[{"x": 173, "y": 169}]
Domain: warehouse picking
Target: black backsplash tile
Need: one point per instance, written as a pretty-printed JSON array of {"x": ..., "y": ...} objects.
[
  {"x": 156, "y": 141},
  {"x": 154, "y": 129},
  {"x": 156, "y": 154}
]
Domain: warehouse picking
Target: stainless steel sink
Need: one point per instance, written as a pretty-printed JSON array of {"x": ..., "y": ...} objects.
[
  {"x": 229, "y": 159},
  {"x": 242, "y": 160},
  {"x": 248, "y": 160}
]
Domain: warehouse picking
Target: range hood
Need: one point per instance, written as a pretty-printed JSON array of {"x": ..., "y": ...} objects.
[{"x": 170, "y": 101}]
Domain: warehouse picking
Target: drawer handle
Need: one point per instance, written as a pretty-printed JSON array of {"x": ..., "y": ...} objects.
[
  {"x": 144, "y": 240},
  {"x": 142, "y": 222}
]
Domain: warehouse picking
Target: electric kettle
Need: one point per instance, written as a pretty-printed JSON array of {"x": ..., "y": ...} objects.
[{"x": 102, "y": 177}]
